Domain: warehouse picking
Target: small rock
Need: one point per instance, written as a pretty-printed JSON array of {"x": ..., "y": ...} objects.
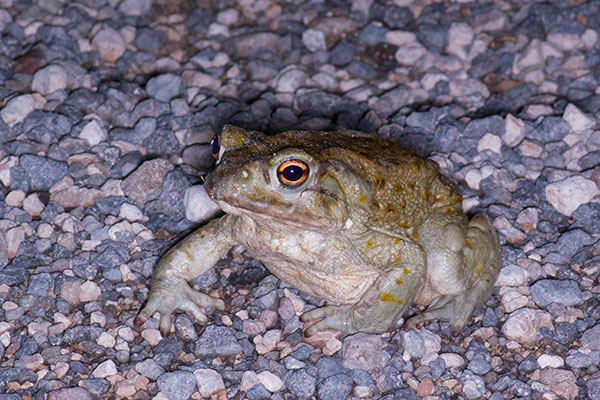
[
  {"x": 528, "y": 219},
  {"x": 90, "y": 291},
  {"x": 576, "y": 119},
  {"x": 217, "y": 341},
  {"x": 17, "y": 109},
  {"x": 74, "y": 393},
  {"x": 93, "y": 133},
  {"x": 43, "y": 172},
  {"x": 568, "y": 194},
  {"x": 410, "y": 53},
  {"x": 514, "y": 131},
  {"x": 460, "y": 37},
  {"x": 165, "y": 87},
  {"x": 270, "y": 381},
  {"x": 290, "y": 79},
  {"x": 105, "y": 369},
  {"x": 452, "y": 360},
  {"x": 74, "y": 196},
  {"x": 178, "y": 385},
  {"x": 547, "y": 360},
  {"x": 301, "y": 383},
  {"x": 524, "y": 324},
  {"x": 15, "y": 198},
  {"x": 135, "y": 8},
  {"x": 198, "y": 206},
  {"x": 591, "y": 338},
  {"x": 363, "y": 351},
  {"x": 335, "y": 387},
  {"x": 49, "y": 79},
  {"x": 14, "y": 238},
  {"x": 491, "y": 142},
  {"x": 145, "y": 183},
  {"x": 314, "y": 40},
  {"x": 425, "y": 388},
  {"x": 125, "y": 389},
  {"x": 33, "y": 205},
  {"x": 512, "y": 275},
  {"x": 110, "y": 44},
  {"x": 561, "y": 382},
  {"x": 149, "y": 368},
  {"x": 71, "y": 292},
  {"x": 551, "y": 129},
  {"x": 209, "y": 382}
]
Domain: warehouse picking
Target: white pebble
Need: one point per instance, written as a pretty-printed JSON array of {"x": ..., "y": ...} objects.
[
  {"x": 460, "y": 36},
  {"x": 17, "y": 109},
  {"x": 110, "y": 44},
  {"x": 135, "y": 8},
  {"x": 106, "y": 340},
  {"x": 105, "y": 369},
  {"x": 49, "y": 79},
  {"x": 270, "y": 381},
  {"x": 568, "y": 194},
  {"x": 15, "y": 198},
  {"x": 33, "y": 205},
  {"x": 552, "y": 361},
  {"x": 489, "y": 141},
  {"x": 513, "y": 130},
  {"x": 93, "y": 133},
  {"x": 410, "y": 53},
  {"x": 209, "y": 382},
  {"x": 576, "y": 119},
  {"x": 198, "y": 206},
  {"x": 314, "y": 40},
  {"x": 90, "y": 291}
]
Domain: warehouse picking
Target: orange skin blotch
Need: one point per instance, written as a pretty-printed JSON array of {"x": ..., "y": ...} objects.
[
  {"x": 406, "y": 271},
  {"x": 425, "y": 195},
  {"x": 362, "y": 199},
  {"x": 389, "y": 298},
  {"x": 399, "y": 282},
  {"x": 395, "y": 241},
  {"x": 188, "y": 255},
  {"x": 415, "y": 235},
  {"x": 370, "y": 244}
]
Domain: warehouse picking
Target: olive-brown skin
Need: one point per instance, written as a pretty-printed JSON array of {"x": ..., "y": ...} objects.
[{"x": 358, "y": 221}]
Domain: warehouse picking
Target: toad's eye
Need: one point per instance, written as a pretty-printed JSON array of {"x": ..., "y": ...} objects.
[
  {"x": 215, "y": 146},
  {"x": 292, "y": 172}
]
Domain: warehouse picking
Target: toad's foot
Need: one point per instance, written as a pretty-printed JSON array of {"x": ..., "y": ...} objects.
[
  {"x": 177, "y": 295},
  {"x": 454, "y": 309},
  {"x": 331, "y": 317}
]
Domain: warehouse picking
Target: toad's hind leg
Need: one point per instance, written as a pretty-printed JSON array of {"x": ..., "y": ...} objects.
[{"x": 481, "y": 258}]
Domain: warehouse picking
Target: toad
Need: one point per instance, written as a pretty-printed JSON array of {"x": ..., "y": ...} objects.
[{"x": 343, "y": 216}]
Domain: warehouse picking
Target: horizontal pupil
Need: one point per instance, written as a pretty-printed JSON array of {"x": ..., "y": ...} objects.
[{"x": 292, "y": 173}]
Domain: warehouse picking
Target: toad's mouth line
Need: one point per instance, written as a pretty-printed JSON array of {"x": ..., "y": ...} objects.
[{"x": 286, "y": 217}]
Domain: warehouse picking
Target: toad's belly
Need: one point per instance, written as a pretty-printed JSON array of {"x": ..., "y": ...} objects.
[
  {"x": 322, "y": 265},
  {"x": 342, "y": 285}
]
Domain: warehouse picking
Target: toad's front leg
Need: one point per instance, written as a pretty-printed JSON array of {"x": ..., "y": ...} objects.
[
  {"x": 190, "y": 258},
  {"x": 385, "y": 300}
]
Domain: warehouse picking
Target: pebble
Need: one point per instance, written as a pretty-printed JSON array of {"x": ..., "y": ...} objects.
[
  {"x": 49, "y": 79},
  {"x": 178, "y": 385},
  {"x": 110, "y": 44},
  {"x": 135, "y": 8},
  {"x": 105, "y": 369},
  {"x": 301, "y": 383},
  {"x": 568, "y": 194},
  {"x": 524, "y": 324},
  {"x": 165, "y": 87},
  {"x": 209, "y": 382},
  {"x": 561, "y": 382},
  {"x": 17, "y": 108},
  {"x": 314, "y": 40},
  {"x": 363, "y": 351},
  {"x": 217, "y": 341},
  {"x": 270, "y": 381},
  {"x": 145, "y": 183},
  {"x": 69, "y": 394},
  {"x": 577, "y": 120}
]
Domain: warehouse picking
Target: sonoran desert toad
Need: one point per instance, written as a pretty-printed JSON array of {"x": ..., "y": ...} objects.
[{"x": 343, "y": 216}]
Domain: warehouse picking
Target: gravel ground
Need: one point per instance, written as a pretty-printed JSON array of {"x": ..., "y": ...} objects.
[{"x": 107, "y": 108}]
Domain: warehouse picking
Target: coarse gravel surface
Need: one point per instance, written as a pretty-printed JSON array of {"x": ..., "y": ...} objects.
[{"x": 107, "y": 109}]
